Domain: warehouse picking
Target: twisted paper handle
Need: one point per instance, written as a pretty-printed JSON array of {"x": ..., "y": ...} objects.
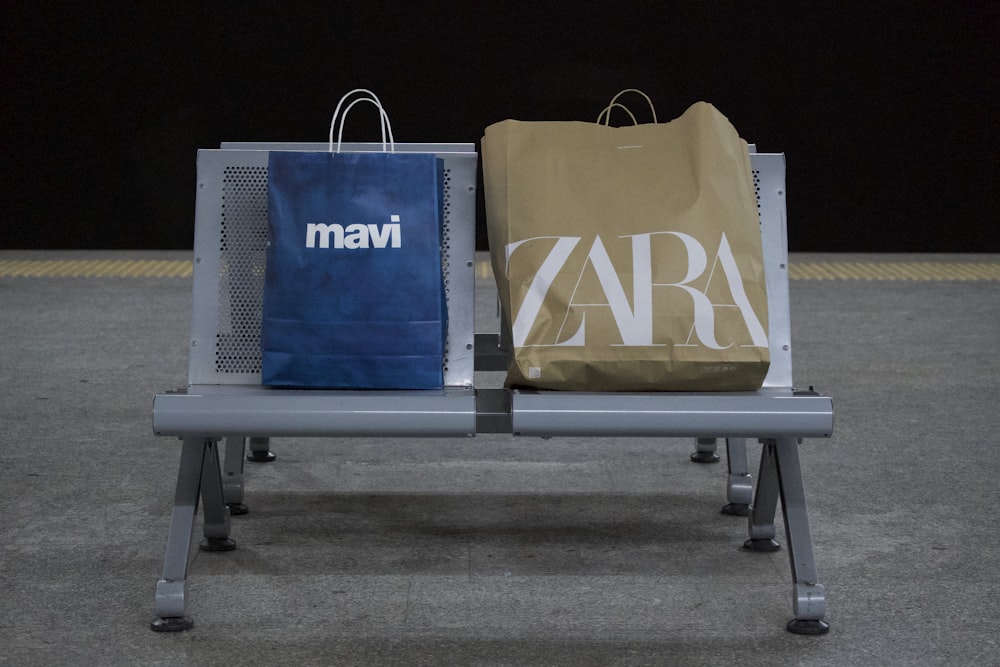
[
  {"x": 606, "y": 113},
  {"x": 383, "y": 117}
]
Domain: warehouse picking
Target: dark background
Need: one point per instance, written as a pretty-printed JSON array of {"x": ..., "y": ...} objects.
[{"x": 887, "y": 111}]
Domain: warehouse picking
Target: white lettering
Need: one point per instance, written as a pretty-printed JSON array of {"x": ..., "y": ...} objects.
[
  {"x": 355, "y": 236},
  {"x": 323, "y": 232},
  {"x": 635, "y": 322},
  {"x": 540, "y": 283},
  {"x": 739, "y": 295},
  {"x": 381, "y": 237},
  {"x": 634, "y": 325},
  {"x": 704, "y": 313}
]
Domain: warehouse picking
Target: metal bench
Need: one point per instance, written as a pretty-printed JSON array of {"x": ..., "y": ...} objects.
[{"x": 224, "y": 399}]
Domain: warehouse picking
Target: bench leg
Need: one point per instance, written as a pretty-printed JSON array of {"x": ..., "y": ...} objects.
[
  {"x": 809, "y": 596},
  {"x": 232, "y": 475},
  {"x": 760, "y": 521},
  {"x": 739, "y": 490},
  {"x": 781, "y": 477},
  {"x": 198, "y": 468},
  {"x": 704, "y": 451},
  {"x": 260, "y": 451},
  {"x": 170, "y": 601},
  {"x": 216, "y": 520}
]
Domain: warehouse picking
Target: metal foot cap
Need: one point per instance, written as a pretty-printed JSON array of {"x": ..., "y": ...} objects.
[
  {"x": 237, "y": 508},
  {"x": 761, "y": 545},
  {"x": 737, "y": 509},
  {"x": 705, "y": 457},
  {"x": 808, "y": 626},
  {"x": 171, "y": 624},
  {"x": 261, "y": 457},
  {"x": 217, "y": 544}
]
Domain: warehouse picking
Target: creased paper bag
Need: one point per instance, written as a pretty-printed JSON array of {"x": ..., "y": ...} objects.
[{"x": 627, "y": 258}]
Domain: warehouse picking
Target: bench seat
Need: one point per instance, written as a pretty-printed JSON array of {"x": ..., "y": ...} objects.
[{"x": 256, "y": 411}]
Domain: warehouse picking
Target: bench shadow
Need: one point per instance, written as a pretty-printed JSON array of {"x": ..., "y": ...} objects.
[{"x": 481, "y": 534}]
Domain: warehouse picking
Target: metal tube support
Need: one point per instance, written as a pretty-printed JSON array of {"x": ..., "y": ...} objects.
[
  {"x": 260, "y": 451},
  {"x": 760, "y": 521},
  {"x": 490, "y": 356},
  {"x": 809, "y": 596},
  {"x": 493, "y": 411},
  {"x": 739, "y": 490},
  {"x": 216, "y": 520},
  {"x": 170, "y": 600},
  {"x": 705, "y": 451},
  {"x": 232, "y": 475}
]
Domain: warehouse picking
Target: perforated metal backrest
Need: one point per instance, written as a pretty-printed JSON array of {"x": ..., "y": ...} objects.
[
  {"x": 769, "y": 183},
  {"x": 230, "y": 249},
  {"x": 230, "y": 256}
]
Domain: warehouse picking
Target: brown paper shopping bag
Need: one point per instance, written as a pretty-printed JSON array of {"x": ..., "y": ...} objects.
[{"x": 627, "y": 258}]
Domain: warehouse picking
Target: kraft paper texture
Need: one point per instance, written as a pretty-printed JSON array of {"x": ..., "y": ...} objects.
[{"x": 627, "y": 258}]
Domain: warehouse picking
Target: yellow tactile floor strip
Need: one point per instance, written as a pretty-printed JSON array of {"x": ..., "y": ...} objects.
[
  {"x": 95, "y": 268},
  {"x": 872, "y": 270},
  {"x": 934, "y": 271}
]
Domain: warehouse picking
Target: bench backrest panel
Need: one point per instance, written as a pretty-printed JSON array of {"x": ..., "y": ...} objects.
[
  {"x": 769, "y": 183},
  {"x": 231, "y": 244},
  {"x": 230, "y": 249}
]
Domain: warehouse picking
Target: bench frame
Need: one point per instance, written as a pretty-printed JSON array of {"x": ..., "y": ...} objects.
[{"x": 225, "y": 401}]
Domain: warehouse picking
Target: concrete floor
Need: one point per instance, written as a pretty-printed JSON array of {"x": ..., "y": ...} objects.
[{"x": 495, "y": 550}]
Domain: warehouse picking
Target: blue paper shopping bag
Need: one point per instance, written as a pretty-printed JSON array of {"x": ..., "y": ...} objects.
[{"x": 353, "y": 294}]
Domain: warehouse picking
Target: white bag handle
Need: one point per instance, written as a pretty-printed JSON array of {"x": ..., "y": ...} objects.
[
  {"x": 383, "y": 118},
  {"x": 614, "y": 102},
  {"x": 385, "y": 125},
  {"x": 336, "y": 112},
  {"x": 607, "y": 110}
]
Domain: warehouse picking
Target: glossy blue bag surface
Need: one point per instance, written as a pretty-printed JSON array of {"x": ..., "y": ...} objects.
[{"x": 353, "y": 294}]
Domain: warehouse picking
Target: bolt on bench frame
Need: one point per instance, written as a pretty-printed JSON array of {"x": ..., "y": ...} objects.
[{"x": 225, "y": 400}]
